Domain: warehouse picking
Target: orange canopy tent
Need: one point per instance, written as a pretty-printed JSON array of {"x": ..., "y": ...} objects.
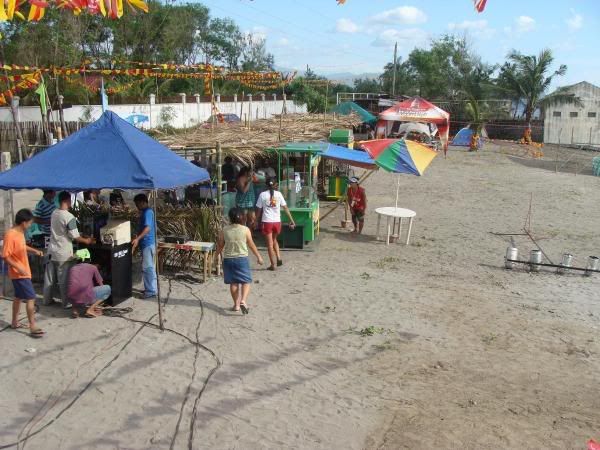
[{"x": 415, "y": 109}]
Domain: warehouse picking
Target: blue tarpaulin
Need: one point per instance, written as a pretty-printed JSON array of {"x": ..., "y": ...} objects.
[
  {"x": 109, "y": 153},
  {"x": 355, "y": 158}
]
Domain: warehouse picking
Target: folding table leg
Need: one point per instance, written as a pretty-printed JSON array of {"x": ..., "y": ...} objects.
[
  {"x": 400, "y": 230},
  {"x": 205, "y": 257},
  {"x": 410, "y": 221},
  {"x": 388, "y": 231}
]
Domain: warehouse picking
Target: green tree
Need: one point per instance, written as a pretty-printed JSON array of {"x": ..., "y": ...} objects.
[
  {"x": 367, "y": 85},
  {"x": 255, "y": 57},
  {"x": 528, "y": 79}
]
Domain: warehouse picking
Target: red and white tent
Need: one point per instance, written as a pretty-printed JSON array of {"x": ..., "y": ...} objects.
[{"x": 415, "y": 109}]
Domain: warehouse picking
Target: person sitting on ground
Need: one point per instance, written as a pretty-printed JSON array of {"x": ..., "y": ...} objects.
[
  {"x": 43, "y": 211},
  {"x": 63, "y": 226},
  {"x": 14, "y": 253},
  {"x": 357, "y": 201},
  {"x": 234, "y": 241},
  {"x": 86, "y": 290}
]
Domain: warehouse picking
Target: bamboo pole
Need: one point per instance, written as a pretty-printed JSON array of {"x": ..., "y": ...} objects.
[
  {"x": 61, "y": 113},
  {"x": 219, "y": 174}
]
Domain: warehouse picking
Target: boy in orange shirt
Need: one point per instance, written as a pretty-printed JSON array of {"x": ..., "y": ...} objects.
[{"x": 15, "y": 254}]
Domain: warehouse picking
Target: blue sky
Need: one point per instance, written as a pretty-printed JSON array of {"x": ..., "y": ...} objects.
[{"x": 358, "y": 37}]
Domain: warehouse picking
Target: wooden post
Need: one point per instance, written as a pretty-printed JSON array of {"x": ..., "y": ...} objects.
[
  {"x": 219, "y": 173},
  {"x": 242, "y": 106},
  {"x": 280, "y": 120},
  {"x": 326, "y": 102},
  {"x": 8, "y": 210},
  {"x": 61, "y": 113}
]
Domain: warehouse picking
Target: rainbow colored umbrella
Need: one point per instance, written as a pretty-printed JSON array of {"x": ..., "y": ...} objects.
[{"x": 399, "y": 156}]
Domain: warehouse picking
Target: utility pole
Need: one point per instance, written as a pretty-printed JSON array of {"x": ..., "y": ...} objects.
[{"x": 395, "y": 64}]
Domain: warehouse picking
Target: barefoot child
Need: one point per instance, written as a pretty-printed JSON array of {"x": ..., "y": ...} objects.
[
  {"x": 234, "y": 241},
  {"x": 15, "y": 254}
]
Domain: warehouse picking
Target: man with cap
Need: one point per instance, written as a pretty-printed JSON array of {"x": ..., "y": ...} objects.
[{"x": 357, "y": 201}]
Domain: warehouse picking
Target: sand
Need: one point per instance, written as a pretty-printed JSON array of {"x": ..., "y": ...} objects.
[{"x": 464, "y": 354}]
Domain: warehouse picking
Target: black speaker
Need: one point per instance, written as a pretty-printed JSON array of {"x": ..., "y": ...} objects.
[{"x": 115, "y": 268}]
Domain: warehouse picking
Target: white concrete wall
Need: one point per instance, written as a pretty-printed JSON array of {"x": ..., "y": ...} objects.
[
  {"x": 188, "y": 113},
  {"x": 582, "y": 129}
]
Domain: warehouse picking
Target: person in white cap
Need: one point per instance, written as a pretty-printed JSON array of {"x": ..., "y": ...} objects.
[{"x": 357, "y": 201}]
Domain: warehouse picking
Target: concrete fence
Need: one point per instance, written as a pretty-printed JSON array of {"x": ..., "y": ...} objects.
[{"x": 187, "y": 113}]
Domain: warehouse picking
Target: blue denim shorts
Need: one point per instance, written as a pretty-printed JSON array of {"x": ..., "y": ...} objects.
[{"x": 23, "y": 289}]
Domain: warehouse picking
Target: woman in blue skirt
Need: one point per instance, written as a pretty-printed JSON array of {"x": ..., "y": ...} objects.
[{"x": 234, "y": 241}]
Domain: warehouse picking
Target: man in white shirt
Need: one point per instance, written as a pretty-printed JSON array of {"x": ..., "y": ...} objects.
[{"x": 63, "y": 231}]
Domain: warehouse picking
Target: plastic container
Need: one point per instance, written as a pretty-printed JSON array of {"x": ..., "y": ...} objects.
[
  {"x": 511, "y": 253},
  {"x": 566, "y": 262},
  {"x": 535, "y": 258},
  {"x": 592, "y": 264}
]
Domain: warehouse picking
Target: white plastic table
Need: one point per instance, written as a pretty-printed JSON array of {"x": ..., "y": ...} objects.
[{"x": 396, "y": 214}]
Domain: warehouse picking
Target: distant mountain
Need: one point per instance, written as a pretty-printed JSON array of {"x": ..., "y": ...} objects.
[
  {"x": 348, "y": 78},
  {"x": 341, "y": 77}
]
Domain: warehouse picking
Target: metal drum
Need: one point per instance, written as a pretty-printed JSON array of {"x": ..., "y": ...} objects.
[
  {"x": 535, "y": 258},
  {"x": 567, "y": 260},
  {"x": 593, "y": 264},
  {"x": 511, "y": 253}
]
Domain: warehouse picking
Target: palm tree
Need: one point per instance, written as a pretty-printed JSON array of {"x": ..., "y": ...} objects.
[{"x": 527, "y": 78}]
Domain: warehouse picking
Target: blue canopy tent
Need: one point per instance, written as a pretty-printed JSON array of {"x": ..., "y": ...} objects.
[{"x": 109, "y": 153}]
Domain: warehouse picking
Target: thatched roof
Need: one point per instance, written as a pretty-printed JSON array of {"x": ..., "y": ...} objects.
[{"x": 246, "y": 143}]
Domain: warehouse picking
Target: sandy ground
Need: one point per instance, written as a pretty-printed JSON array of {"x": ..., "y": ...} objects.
[{"x": 464, "y": 354}]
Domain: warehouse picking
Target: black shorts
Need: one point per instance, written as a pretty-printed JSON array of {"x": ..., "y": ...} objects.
[
  {"x": 358, "y": 215},
  {"x": 23, "y": 289}
]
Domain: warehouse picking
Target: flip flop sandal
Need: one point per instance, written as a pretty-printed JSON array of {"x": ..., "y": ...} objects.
[
  {"x": 234, "y": 309},
  {"x": 245, "y": 309},
  {"x": 37, "y": 333},
  {"x": 271, "y": 268},
  {"x": 279, "y": 263}
]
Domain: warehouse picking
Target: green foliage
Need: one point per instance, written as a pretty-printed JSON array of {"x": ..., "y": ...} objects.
[
  {"x": 169, "y": 32},
  {"x": 527, "y": 79}
]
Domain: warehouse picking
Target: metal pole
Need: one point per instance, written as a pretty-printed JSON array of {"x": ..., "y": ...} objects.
[{"x": 160, "y": 312}]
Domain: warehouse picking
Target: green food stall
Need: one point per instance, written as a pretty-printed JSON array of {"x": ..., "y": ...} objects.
[{"x": 297, "y": 174}]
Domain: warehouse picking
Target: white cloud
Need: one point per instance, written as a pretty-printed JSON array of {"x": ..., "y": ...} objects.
[
  {"x": 283, "y": 42},
  {"x": 346, "y": 26},
  {"x": 405, "y": 15},
  {"x": 522, "y": 25},
  {"x": 575, "y": 22},
  {"x": 259, "y": 33},
  {"x": 477, "y": 28},
  {"x": 408, "y": 37}
]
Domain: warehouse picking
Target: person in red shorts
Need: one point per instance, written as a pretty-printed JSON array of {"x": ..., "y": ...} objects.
[
  {"x": 15, "y": 254},
  {"x": 357, "y": 201},
  {"x": 269, "y": 206}
]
